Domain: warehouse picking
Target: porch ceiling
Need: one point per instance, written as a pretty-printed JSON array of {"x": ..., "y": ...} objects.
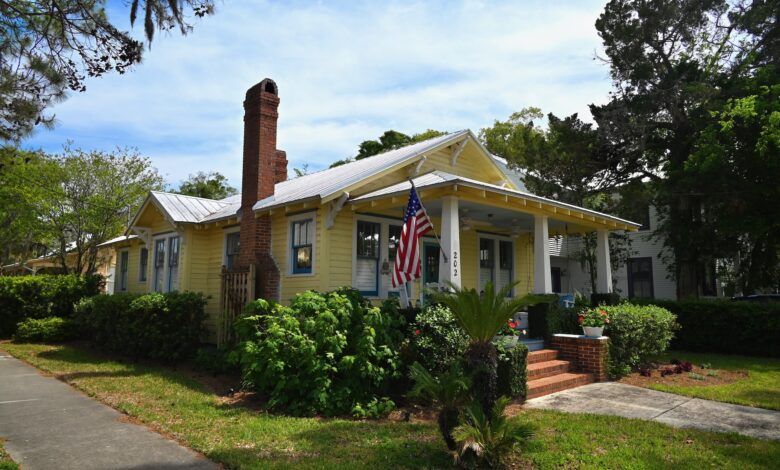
[{"x": 490, "y": 206}]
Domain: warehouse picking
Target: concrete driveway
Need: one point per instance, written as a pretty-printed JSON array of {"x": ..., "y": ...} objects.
[
  {"x": 611, "y": 398},
  {"x": 49, "y": 425}
]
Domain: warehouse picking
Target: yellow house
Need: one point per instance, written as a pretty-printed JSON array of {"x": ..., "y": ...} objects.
[
  {"x": 340, "y": 226},
  {"x": 51, "y": 263}
]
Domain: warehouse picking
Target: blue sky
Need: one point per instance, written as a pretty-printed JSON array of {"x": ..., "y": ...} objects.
[{"x": 346, "y": 72}]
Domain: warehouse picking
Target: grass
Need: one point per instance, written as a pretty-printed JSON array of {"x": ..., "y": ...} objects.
[
  {"x": 5, "y": 460},
  {"x": 760, "y": 389},
  {"x": 243, "y": 438}
]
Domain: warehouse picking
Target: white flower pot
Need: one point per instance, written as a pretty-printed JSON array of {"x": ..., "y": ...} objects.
[{"x": 593, "y": 331}]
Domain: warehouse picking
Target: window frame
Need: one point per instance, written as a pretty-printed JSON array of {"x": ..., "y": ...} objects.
[
  {"x": 383, "y": 282},
  {"x": 496, "y": 240},
  {"x": 225, "y": 245},
  {"x": 311, "y": 217},
  {"x": 630, "y": 276},
  {"x": 124, "y": 269},
  {"x": 164, "y": 240}
]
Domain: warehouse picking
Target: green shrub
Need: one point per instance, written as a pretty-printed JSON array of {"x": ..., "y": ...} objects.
[
  {"x": 726, "y": 327},
  {"x": 611, "y": 298},
  {"x": 512, "y": 373},
  {"x": 215, "y": 361},
  {"x": 49, "y": 330},
  {"x": 166, "y": 326},
  {"x": 636, "y": 334},
  {"x": 42, "y": 296},
  {"x": 548, "y": 318},
  {"x": 437, "y": 339},
  {"x": 330, "y": 353}
]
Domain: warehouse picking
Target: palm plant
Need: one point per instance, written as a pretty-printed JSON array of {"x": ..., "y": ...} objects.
[
  {"x": 488, "y": 437},
  {"x": 481, "y": 316},
  {"x": 449, "y": 390}
]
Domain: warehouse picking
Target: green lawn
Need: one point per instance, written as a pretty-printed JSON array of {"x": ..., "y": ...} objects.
[
  {"x": 243, "y": 438},
  {"x": 5, "y": 460},
  {"x": 760, "y": 389}
]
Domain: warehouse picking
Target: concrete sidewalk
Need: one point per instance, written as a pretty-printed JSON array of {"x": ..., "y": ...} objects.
[
  {"x": 49, "y": 425},
  {"x": 611, "y": 398}
]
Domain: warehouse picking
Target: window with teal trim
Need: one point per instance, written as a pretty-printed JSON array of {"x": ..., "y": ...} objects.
[{"x": 302, "y": 246}]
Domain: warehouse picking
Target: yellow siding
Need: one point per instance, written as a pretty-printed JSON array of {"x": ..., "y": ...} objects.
[
  {"x": 204, "y": 260},
  {"x": 339, "y": 250}
]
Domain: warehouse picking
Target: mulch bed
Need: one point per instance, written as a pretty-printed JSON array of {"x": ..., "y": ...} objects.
[{"x": 711, "y": 377}]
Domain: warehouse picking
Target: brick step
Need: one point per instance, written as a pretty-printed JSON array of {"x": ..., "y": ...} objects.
[
  {"x": 542, "y": 355},
  {"x": 556, "y": 383},
  {"x": 539, "y": 370}
]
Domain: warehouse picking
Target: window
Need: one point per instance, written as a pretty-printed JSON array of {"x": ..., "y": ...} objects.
[
  {"x": 159, "y": 264},
  {"x": 123, "y": 262},
  {"x": 143, "y": 264},
  {"x": 640, "y": 278},
  {"x": 173, "y": 263},
  {"x": 302, "y": 246},
  {"x": 555, "y": 276},
  {"x": 232, "y": 249},
  {"x": 498, "y": 270},
  {"x": 393, "y": 239},
  {"x": 367, "y": 268}
]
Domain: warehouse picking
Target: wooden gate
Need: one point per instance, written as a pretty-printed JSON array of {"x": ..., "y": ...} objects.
[{"x": 238, "y": 289}]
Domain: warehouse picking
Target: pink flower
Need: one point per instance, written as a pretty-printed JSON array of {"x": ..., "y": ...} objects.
[{"x": 417, "y": 332}]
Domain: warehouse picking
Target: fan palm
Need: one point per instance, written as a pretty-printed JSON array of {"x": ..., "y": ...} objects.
[
  {"x": 481, "y": 316},
  {"x": 449, "y": 390},
  {"x": 489, "y": 437}
]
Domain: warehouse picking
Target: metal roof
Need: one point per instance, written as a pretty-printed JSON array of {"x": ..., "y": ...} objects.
[
  {"x": 188, "y": 209},
  {"x": 441, "y": 178},
  {"x": 333, "y": 180},
  {"x": 118, "y": 239}
]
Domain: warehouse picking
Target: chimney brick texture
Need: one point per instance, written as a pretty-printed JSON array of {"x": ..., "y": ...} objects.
[{"x": 260, "y": 174}]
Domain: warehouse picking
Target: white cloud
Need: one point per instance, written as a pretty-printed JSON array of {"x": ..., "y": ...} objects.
[{"x": 346, "y": 72}]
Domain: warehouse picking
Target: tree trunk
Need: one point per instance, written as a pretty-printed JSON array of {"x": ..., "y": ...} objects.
[
  {"x": 482, "y": 361},
  {"x": 448, "y": 419}
]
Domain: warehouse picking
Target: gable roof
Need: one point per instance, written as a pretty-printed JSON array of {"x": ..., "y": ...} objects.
[
  {"x": 179, "y": 208},
  {"x": 332, "y": 181}
]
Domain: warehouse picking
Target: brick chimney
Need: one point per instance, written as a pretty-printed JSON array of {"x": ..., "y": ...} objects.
[
  {"x": 281, "y": 166},
  {"x": 261, "y": 170}
]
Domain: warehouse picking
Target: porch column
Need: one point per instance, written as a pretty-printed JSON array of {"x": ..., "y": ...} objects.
[
  {"x": 449, "y": 269},
  {"x": 542, "y": 273},
  {"x": 603, "y": 265}
]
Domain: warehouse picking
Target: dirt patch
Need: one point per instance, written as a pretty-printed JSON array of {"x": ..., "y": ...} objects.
[{"x": 698, "y": 377}]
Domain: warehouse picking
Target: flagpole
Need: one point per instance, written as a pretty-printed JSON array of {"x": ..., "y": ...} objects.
[{"x": 433, "y": 229}]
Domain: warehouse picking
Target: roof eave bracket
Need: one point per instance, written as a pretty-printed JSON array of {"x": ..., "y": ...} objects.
[
  {"x": 458, "y": 150},
  {"x": 335, "y": 208}
]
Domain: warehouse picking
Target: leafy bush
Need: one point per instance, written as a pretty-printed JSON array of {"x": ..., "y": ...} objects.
[
  {"x": 331, "y": 353},
  {"x": 512, "y": 373},
  {"x": 42, "y": 296},
  {"x": 215, "y": 361},
  {"x": 726, "y": 327},
  {"x": 611, "y": 298},
  {"x": 548, "y": 318},
  {"x": 49, "y": 329},
  {"x": 636, "y": 334},
  {"x": 165, "y": 326},
  {"x": 449, "y": 391},
  {"x": 437, "y": 339}
]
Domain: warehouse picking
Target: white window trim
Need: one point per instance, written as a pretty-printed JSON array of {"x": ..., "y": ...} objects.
[
  {"x": 311, "y": 215},
  {"x": 166, "y": 269},
  {"x": 384, "y": 280},
  {"x": 497, "y": 257},
  {"x": 225, "y": 234},
  {"x": 126, "y": 275}
]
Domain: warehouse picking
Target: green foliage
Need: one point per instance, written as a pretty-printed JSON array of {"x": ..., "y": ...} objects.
[
  {"x": 437, "y": 339},
  {"x": 725, "y": 327},
  {"x": 512, "y": 370},
  {"x": 42, "y": 296},
  {"x": 51, "y": 47},
  {"x": 167, "y": 326},
  {"x": 330, "y": 353},
  {"x": 449, "y": 390},
  {"x": 549, "y": 317},
  {"x": 488, "y": 439},
  {"x": 211, "y": 185},
  {"x": 47, "y": 330},
  {"x": 611, "y": 298},
  {"x": 637, "y": 333},
  {"x": 390, "y": 140},
  {"x": 214, "y": 360}
]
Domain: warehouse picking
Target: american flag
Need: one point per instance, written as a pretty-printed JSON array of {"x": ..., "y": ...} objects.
[{"x": 407, "y": 259}]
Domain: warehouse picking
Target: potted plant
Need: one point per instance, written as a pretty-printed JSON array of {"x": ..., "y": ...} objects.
[{"x": 593, "y": 321}]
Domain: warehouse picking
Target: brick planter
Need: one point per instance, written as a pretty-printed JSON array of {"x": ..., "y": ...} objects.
[{"x": 590, "y": 355}]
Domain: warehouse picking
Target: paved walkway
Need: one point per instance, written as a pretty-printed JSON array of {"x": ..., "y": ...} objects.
[
  {"x": 49, "y": 425},
  {"x": 610, "y": 398}
]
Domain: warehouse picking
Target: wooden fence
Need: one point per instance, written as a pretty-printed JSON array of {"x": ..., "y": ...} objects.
[{"x": 238, "y": 289}]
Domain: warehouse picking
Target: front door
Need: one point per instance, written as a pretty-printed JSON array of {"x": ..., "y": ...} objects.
[{"x": 430, "y": 266}]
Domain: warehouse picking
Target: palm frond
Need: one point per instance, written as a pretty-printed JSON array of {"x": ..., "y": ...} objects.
[{"x": 448, "y": 390}]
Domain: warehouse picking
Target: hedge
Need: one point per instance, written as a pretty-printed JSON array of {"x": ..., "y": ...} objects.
[
  {"x": 512, "y": 373},
  {"x": 166, "y": 326},
  {"x": 50, "y": 330},
  {"x": 727, "y": 327},
  {"x": 42, "y": 296},
  {"x": 548, "y": 318}
]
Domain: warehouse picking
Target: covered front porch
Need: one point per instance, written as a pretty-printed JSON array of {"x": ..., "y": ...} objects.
[{"x": 489, "y": 232}]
